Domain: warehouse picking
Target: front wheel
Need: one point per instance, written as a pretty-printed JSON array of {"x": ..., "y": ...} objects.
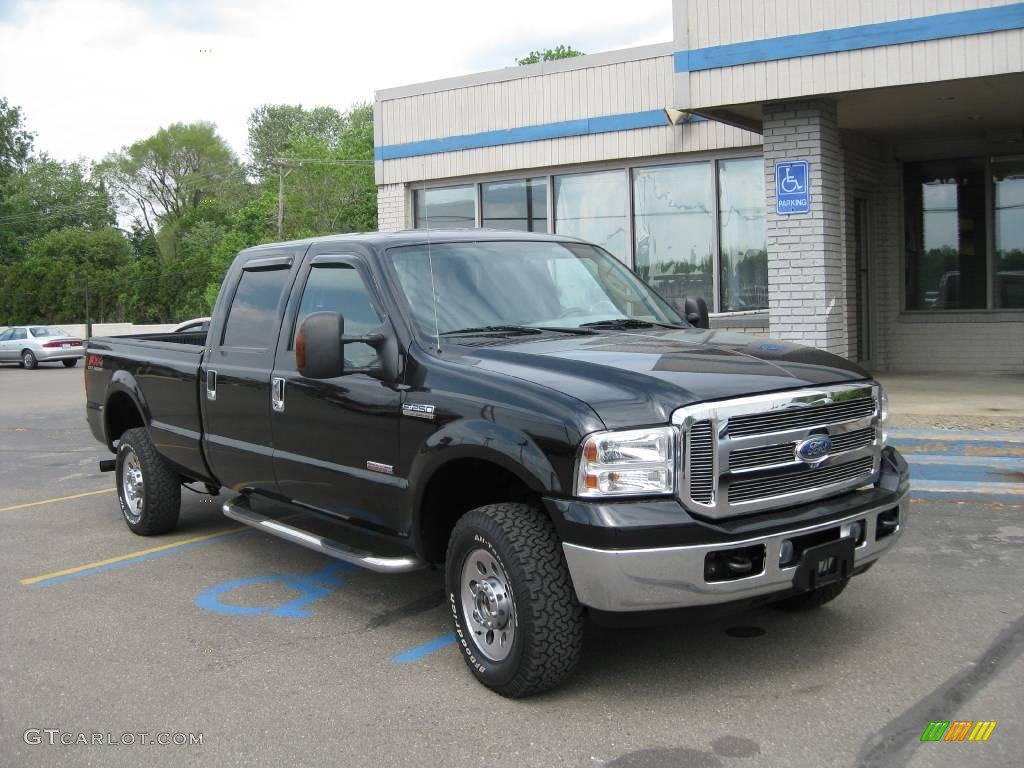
[
  {"x": 70, "y": 363},
  {"x": 514, "y": 610},
  {"x": 28, "y": 360},
  {"x": 148, "y": 490}
]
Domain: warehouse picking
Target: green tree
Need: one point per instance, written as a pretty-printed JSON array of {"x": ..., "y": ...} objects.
[
  {"x": 15, "y": 140},
  {"x": 275, "y": 130},
  {"x": 549, "y": 54}
]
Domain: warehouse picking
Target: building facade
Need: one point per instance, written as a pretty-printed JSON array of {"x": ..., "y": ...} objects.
[{"x": 848, "y": 175}]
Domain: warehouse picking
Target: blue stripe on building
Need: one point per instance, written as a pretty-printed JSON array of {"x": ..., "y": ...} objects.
[
  {"x": 937, "y": 27},
  {"x": 651, "y": 118}
]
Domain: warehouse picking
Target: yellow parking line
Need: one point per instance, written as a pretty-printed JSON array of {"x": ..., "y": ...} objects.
[
  {"x": 130, "y": 556},
  {"x": 54, "y": 501}
]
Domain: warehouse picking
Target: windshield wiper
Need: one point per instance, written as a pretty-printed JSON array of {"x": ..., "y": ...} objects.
[
  {"x": 626, "y": 322},
  {"x": 494, "y": 329}
]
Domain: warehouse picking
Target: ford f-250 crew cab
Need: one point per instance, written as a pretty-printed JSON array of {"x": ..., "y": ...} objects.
[{"x": 522, "y": 409}]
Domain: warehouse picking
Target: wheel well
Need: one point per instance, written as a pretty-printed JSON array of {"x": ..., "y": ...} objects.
[
  {"x": 121, "y": 415},
  {"x": 458, "y": 487}
]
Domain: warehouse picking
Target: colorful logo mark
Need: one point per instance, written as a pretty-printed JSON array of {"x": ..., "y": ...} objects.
[{"x": 958, "y": 730}]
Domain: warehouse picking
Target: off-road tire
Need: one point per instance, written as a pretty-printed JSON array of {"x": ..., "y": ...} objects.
[
  {"x": 815, "y": 598},
  {"x": 70, "y": 363},
  {"x": 161, "y": 486},
  {"x": 28, "y": 360},
  {"x": 548, "y": 637}
]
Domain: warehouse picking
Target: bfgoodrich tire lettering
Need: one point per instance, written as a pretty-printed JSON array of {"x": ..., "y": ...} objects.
[
  {"x": 548, "y": 631},
  {"x": 148, "y": 490}
]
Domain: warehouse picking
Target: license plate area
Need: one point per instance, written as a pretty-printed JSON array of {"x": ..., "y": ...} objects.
[{"x": 825, "y": 564}]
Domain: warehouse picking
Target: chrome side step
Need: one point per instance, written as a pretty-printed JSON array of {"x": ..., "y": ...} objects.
[{"x": 238, "y": 509}]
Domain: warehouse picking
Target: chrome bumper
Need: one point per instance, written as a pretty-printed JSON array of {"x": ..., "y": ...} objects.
[{"x": 673, "y": 577}]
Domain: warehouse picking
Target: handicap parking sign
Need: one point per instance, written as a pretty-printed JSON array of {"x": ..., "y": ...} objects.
[{"x": 792, "y": 193}]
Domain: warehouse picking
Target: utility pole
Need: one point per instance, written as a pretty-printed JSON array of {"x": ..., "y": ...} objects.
[
  {"x": 280, "y": 199},
  {"x": 88, "y": 317}
]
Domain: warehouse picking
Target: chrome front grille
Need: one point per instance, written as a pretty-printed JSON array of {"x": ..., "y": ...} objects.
[{"x": 741, "y": 456}]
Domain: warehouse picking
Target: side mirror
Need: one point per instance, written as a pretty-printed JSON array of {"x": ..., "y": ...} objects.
[
  {"x": 696, "y": 311},
  {"x": 318, "y": 347}
]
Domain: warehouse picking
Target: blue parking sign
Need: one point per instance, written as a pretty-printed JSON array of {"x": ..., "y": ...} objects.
[{"x": 792, "y": 187}]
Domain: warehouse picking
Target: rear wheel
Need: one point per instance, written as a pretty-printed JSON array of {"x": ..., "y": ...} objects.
[
  {"x": 815, "y": 598},
  {"x": 148, "y": 490},
  {"x": 70, "y": 363},
  {"x": 28, "y": 360},
  {"x": 514, "y": 610}
]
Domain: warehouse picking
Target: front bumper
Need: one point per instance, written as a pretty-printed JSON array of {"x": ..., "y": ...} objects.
[{"x": 661, "y": 578}]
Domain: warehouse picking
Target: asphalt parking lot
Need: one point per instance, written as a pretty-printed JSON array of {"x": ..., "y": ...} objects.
[{"x": 277, "y": 655}]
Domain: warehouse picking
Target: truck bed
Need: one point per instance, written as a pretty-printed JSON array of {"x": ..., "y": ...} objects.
[{"x": 160, "y": 372}]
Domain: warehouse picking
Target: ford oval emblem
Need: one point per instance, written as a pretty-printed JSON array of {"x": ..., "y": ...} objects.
[{"x": 814, "y": 449}]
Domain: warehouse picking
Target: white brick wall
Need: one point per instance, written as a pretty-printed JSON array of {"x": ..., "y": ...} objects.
[
  {"x": 393, "y": 208},
  {"x": 806, "y": 268}
]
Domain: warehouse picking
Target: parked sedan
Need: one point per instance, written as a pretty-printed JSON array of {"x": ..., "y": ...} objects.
[{"x": 30, "y": 345}]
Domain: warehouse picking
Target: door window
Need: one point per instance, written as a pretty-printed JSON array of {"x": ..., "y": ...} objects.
[
  {"x": 6, "y": 335},
  {"x": 253, "y": 313},
  {"x": 340, "y": 288},
  {"x": 19, "y": 334}
]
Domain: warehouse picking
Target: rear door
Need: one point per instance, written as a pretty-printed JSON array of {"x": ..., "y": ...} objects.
[
  {"x": 336, "y": 440},
  {"x": 235, "y": 377},
  {"x": 5, "y": 344},
  {"x": 11, "y": 346}
]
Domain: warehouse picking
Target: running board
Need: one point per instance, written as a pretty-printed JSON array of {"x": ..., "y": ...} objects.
[{"x": 238, "y": 509}]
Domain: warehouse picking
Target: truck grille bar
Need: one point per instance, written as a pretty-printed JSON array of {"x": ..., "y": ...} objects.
[{"x": 741, "y": 456}]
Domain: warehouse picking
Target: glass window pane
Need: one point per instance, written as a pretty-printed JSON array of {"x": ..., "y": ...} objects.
[
  {"x": 673, "y": 220},
  {"x": 445, "y": 207},
  {"x": 520, "y": 204},
  {"x": 1008, "y": 286},
  {"x": 253, "y": 314},
  {"x": 341, "y": 289},
  {"x": 945, "y": 234},
  {"x": 592, "y": 206},
  {"x": 741, "y": 239}
]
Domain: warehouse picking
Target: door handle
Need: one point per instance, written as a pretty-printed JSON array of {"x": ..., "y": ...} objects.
[
  {"x": 277, "y": 393},
  {"x": 211, "y": 385}
]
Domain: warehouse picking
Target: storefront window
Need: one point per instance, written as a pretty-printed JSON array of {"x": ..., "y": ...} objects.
[
  {"x": 1008, "y": 201},
  {"x": 592, "y": 206},
  {"x": 674, "y": 230},
  {"x": 742, "y": 243},
  {"x": 443, "y": 207},
  {"x": 520, "y": 204},
  {"x": 945, "y": 234}
]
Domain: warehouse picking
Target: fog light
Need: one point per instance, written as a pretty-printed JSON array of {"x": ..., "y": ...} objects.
[
  {"x": 854, "y": 531},
  {"x": 786, "y": 553}
]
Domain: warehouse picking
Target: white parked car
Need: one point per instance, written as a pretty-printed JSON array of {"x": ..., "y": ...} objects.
[
  {"x": 195, "y": 325},
  {"x": 30, "y": 345}
]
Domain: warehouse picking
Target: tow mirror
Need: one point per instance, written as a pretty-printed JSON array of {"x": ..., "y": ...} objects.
[
  {"x": 320, "y": 348},
  {"x": 696, "y": 311}
]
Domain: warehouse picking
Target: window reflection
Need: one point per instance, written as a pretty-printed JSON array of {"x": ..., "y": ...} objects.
[
  {"x": 1008, "y": 200},
  {"x": 744, "y": 251},
  {"x": 519, "y": 204},
  {"x": 444, "y": 207},
  {"x": 945, "y": 234},
  {"x": 592, "y": 206},
  {"x": 673, "y": 221}
]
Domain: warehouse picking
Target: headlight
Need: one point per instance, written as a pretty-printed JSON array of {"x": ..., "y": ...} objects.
[
  {"x": 883, "y": 407},
  {"x": 635, "y": 462}
]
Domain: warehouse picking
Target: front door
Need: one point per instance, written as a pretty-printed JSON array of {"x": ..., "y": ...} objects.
[
  {"x": 862, "y": 256},
  {"x": 336, "y": 440}
]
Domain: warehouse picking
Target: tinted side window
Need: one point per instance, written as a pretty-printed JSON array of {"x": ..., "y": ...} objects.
[
  {"x": 340, "y": 288},
  {"x": 253, "y": 313},
  {"x": 6, "y": 335},
  {"x": 19, "y": 334}
]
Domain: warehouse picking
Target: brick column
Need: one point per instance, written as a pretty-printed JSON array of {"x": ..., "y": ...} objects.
[
  {"x": 392, "y": 208},
  {"x": 806, "y": 271}
]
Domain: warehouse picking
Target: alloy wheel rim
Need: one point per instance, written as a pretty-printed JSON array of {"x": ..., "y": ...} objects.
[
  {"x": 487, "y": 605},
  {"x": 132, "y": 486}
]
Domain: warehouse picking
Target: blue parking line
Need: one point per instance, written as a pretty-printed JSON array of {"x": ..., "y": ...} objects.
[
  {"x": 133, "y": 560},
  {"x": 417, "y": 653},
  {"x": 972, "y": 435},
  {"x": 964, "y": 473}
]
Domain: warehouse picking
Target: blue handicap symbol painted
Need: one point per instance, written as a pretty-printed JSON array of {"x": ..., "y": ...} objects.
[
  {"x": 792, "y": 187},
  {"x": 310, "y": 588}
]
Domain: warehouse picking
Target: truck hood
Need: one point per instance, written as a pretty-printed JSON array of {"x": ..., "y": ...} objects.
[{"x": 634, "y": 378}]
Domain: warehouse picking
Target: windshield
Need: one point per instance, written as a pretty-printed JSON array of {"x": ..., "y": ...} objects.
[
  {"x": 497, "y": 285},
  {"x": 42, "y": 331}
]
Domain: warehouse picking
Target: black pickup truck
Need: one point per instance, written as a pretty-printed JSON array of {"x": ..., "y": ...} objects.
[{"x": 521, "y": 410}]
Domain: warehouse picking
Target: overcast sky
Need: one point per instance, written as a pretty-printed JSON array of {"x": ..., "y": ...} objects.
[{"x": 92, "y": 76}]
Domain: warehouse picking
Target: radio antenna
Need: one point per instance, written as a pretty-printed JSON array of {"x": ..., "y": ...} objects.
[{"x": 430, "y": 261}]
